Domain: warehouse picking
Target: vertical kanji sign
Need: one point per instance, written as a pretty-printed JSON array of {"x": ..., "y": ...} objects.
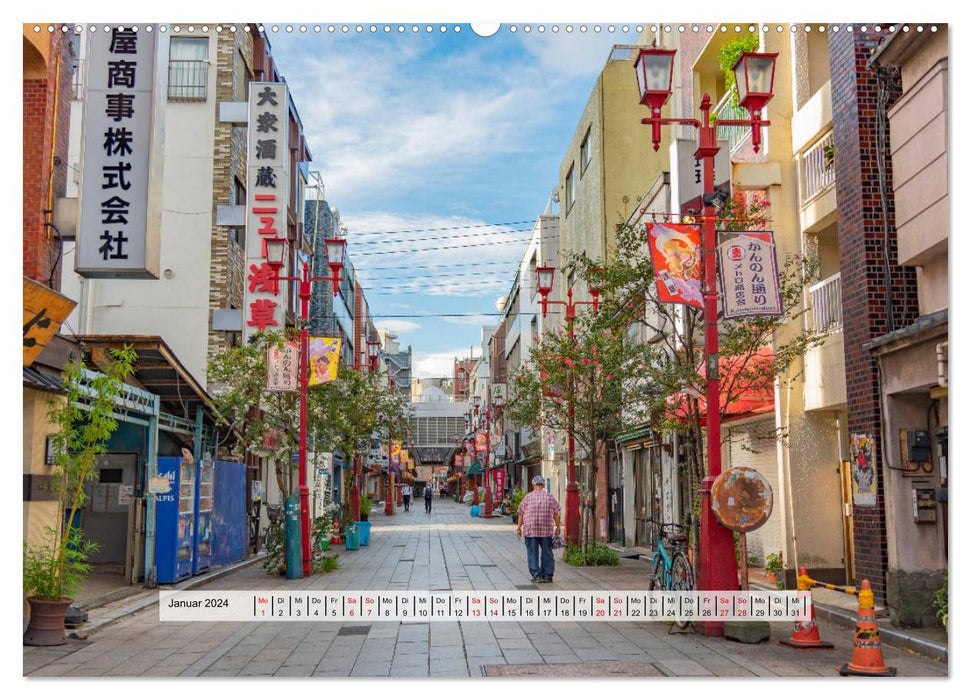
[
  {"x": 749, "y": 276},
  {"x": 281, "y": 367},
  {"x": 121, "y": 168},
  {"x": 267, "y": 197}
]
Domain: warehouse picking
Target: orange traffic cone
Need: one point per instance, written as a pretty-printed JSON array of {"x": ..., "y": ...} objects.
[
  {"x": 867, "y": 655},
  {"x": 806, "y": 634}
]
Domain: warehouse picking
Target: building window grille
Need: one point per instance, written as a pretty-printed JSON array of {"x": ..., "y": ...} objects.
[{"x": 188, "y": 69}]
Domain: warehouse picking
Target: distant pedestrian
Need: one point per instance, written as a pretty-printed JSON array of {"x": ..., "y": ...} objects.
[
  {"x": 427, "y": 493},
  {"x": 406, "y": 496},
  {"x": 539, "y": 520}
]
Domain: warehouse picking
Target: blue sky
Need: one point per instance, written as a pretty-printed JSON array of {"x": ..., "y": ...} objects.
[{"x": 417, "y": 131}]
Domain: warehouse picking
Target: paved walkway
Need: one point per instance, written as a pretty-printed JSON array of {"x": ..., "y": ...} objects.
[{"x": 447, "y": 550}]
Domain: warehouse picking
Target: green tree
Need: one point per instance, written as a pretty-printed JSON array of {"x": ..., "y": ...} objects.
[{"x": 85, "y": 420}]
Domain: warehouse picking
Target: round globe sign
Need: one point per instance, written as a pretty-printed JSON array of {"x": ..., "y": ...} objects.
[{"x": 741, "y": 499}]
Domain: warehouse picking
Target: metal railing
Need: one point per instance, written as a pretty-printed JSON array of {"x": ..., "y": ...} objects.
[
  {"x": 77, "y": 82},
  {"x": 726, "y": 110},
  {"x": 826, "y": 305},
  {"x": 187, "y": 80},
  {"x": 816, "y": 170}
]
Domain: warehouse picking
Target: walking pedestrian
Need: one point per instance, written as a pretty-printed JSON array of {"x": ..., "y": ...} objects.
[
  {"x": 539, "y": 520},
  {"x": 406, "y": 496},
  {"x": 427, "y": 493}
]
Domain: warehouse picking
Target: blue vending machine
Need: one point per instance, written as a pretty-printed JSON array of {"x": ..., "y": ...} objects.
[
  {"x": 202, "y": 554},
  {"x": 175, "y": 521}
]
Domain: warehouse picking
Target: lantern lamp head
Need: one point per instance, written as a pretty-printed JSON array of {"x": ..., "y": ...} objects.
[
  {"x": 655, "y": 70},
  {"x": 754, "y": 78}
]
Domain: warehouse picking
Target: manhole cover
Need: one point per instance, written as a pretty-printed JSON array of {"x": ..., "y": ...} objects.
[
  {"x": 581, "y": 670},
  {"x": 527, "y": 587},
  {"x": 351, "y": 630}
]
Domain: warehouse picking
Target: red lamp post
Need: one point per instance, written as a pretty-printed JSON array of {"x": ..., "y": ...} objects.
[
  {"x": 494, "y": 405},
  {"x": 754, "y": 75},
  {"x": 275, "y": 254},
  {"x": 544, "y": 285},
  {"x": 477, "y": 403}
]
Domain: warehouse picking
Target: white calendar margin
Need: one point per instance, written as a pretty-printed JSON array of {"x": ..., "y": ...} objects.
[{"x": 489, "y": 606}]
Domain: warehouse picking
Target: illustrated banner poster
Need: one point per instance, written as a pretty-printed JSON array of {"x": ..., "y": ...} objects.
[
  {"x": 675, "y": 253},
  {"x": 281, "y": 367},
  {"x": 749, "y": 276},
  {"x": 864, "y": 474},
  {"x": 325, "y": 355},
  {"x": 480, "y": 442}
]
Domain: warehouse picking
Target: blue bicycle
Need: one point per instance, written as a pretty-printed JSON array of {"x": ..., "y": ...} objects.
[{"x": 671, "y": 572}]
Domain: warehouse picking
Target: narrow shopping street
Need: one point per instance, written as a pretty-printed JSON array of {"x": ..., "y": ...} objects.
[{"x": 446, "y": 550}]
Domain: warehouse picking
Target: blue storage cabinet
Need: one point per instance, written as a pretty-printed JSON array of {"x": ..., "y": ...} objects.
[
  {"x": 229, "y": 521},
  {"x": 175, "y": 521},
  {"x": 202, "y": 551}
]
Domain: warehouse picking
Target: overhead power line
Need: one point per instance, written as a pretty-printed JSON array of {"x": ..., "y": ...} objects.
[{"x": 442, "y": 228}]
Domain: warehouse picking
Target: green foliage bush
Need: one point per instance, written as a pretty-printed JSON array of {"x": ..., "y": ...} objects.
[
  {"x": 940, "y": 602},
  {"x": 597, "y": 555}
]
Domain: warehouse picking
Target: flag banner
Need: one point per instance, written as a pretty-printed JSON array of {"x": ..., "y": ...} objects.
[
  {"x": 864, "y": 486},
  {"x": 749, "y": 275},
  {"x": 480, "y": 442},
  {"x": 281, "y": 367},
  {"x": 325, "y": 355},
  {"x": 676, "y": 255}
]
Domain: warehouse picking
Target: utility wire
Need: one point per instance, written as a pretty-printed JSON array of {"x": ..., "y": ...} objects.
[
  {"x": 445, "y": 228},
  {"x": 451, "y": 237}
]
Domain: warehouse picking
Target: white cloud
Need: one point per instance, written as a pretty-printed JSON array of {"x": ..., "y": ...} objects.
[
  {"x": 476, "y": 320},
  {"x": 397, "y": 325},
  {"x": 436, "y": 364}
]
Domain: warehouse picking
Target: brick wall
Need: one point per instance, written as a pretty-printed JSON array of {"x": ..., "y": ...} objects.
[
  {"x": 865, "y": 274},
  {"x": 227, "y": 273},
  {"x": 40, "y": 247}
]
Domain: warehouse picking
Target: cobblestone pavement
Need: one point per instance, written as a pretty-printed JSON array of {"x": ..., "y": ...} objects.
[{"x": 447, "y": 550}]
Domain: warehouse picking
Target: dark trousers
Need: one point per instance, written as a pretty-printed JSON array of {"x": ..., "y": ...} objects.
[
  {"x": 428, "y": 504},
  {"x": 539, "y": 556},
  {"x": 407, "y": 500}
]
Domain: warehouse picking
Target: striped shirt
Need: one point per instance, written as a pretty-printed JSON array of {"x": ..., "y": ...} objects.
[{"x": 536, "y": 513}]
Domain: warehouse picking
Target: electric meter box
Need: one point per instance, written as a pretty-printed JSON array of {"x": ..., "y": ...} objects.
[
  {"x": 925, "y": 505},
  {"x": 918, "y": 446}
]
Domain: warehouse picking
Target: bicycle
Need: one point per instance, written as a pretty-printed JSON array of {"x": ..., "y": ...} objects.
[{"x": 671, "y": 572}]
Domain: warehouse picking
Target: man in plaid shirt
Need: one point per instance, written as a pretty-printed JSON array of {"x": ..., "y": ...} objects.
[{"x": 539, "y": 520}]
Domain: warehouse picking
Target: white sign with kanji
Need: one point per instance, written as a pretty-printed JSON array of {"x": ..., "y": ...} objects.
[
  {"x": 267, "y": 197},
  {"x": 749, "y": 276}
]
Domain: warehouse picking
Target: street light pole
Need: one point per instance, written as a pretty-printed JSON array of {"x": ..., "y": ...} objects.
[
  {"x": 544, "y": 284},
  {"x": 275, "y": 251},
  {"x": 754, "y": 76}
]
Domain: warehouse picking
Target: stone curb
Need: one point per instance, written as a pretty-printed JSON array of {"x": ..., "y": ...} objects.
[{"x": 147, "y": 597}]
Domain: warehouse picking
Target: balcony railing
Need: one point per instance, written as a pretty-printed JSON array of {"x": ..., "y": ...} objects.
[
  {"x": 826, "y": 305},
  {"x": 726, "y": 110},
  {"x": 187, "y": 80},
  {"x": 816, "y": 170},
  {"x": 77, "y": 80}
]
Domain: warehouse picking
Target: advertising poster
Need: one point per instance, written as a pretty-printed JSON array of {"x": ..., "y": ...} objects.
[
  {"x": 676, "y": 254},
  {"x": 325, "y": 355},
  {"x": 864, "y": 474},
  {"x": 281, "y": 367}
]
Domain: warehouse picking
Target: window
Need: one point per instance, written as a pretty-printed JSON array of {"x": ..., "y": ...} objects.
[
  {"x": 461, "y": 376},
  {"x": 585, "y": 153},
  {"x": 570, "y": 187},
  {"x": 188, "y": 69}
]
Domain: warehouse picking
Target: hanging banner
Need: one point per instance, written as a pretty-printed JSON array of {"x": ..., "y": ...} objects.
[
  {"x": 676, "y": 255},
  {"x": 325, "y": 355},
  {"x": 499, "y": 481},
  {"x": 864, "y": 474},
  {"x": 749, "y": 275},
  {"x": 44, "y": 312},
  {"x": 480, "y": 442},
  {"x": 281, "y": 367}
]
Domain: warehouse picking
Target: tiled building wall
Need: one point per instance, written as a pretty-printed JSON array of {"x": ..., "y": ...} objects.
[
  {"x": 868, "y": 266},
  {"x": 40, "y": 246}
]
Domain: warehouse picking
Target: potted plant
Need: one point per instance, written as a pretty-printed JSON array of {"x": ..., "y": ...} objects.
[
  {"x": 773, "y": 569},
  {"x": 366, "y": 504},
  {"x": 55, "y": 569},
  {"x": 517, "y": 496}
]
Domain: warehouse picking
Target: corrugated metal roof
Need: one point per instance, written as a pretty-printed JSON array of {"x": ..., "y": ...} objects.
[{"x": 44, "y": 382}]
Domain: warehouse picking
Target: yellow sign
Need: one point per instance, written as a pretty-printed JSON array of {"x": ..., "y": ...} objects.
[
  {"x": 325, "y": 355},
  {"x": 44, "y": 312}
]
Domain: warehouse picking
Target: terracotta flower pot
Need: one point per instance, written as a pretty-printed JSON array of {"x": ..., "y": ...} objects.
[{"x": 46, "y": 626}]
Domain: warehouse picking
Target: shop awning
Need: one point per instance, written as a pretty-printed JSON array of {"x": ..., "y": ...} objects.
[
  {"x": 746, "y": 388},
  {"x": 476, "y": 468}
]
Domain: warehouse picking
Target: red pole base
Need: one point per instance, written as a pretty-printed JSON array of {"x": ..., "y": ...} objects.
[
  {"x": 305, "y": 528},
  {"x": 717, "y": 568},
  {"x": 488, "y": 503},
  {"x": 572, "y": 514},
  {"x": 355, "y": 500}
]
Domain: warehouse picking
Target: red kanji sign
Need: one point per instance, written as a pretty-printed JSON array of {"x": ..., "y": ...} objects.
[
  {"x": 261, "y": 314},
  {"x": 262, "y": 277}
]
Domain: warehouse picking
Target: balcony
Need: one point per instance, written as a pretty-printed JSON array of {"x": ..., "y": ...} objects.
[
  {"x": 187, "y": 80},
  {"x": 817, "y": 196},
  {"x": 826, "y": 305},
  {"x": 735, "y": 135}
]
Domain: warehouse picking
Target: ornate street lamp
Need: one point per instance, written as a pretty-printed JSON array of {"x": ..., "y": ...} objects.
[
  {"x": 373, "y": 350},
  {"x": 754, "y": 76},
  {"x": 276, "y": 254}
]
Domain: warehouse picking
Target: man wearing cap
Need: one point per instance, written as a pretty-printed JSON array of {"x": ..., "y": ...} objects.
[{"x": 539, "y": 520}]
